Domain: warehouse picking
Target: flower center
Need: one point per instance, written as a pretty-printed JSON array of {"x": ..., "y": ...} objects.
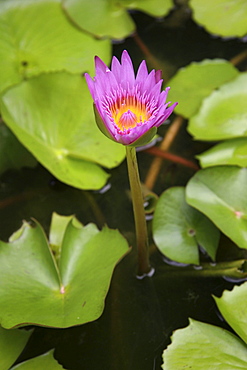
[{"x": 128, "y": 112}]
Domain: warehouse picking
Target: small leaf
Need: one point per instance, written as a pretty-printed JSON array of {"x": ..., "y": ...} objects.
[
  {"x": 57, "y": 125},
  {"x": 27, "y": 48},
  {"x": 223, "y": 114},
  {"x": 232, "y": 305},
  {"x": 202, "y": 77},
  {"x": 221, "y": 194},
  {"x": 201, "y": 346},
  {"x": 221, "y": 17},
  {"x": 12, "y": 153},
  {"x": 45, "y": 361},
  {"x": 12, "y": 342},
  {"x": 230, "y": 152},
  {"x": 178, "y": 229},
  {"x": 70, "y": 294}
]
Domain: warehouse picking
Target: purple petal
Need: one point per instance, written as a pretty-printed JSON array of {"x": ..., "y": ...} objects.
[
  {"x": 90, "y": 84},
  {"x": 142, "y": 73},
  {"x": 165, "y": 115},
  {"x": 149, "y": 82},
  {"x": 116, "y": 69},
  {"x": 127, "y": 70}
]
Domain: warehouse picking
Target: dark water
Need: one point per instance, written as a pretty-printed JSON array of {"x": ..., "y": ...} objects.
[{"x": 140, "y": 315}]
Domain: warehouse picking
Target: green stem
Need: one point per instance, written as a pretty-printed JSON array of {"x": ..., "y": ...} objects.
[{"x": 139, "y": 212}]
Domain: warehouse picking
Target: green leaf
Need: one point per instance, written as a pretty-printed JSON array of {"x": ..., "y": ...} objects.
[
  {"x": 201, "y": 346},
  {"x": 221, "y": 17},
  {"x": 223, "y": 114},
  {"x": 52, "y": 116},
  {"x": 12, "y": 342},
  {"x": 45, "y": 361},
  {"x": 27, "y": 48},
  {"x": 230, "y": 152},
  {"x": 178, "y": 229},
  {"x": 202, "y": 77},
  {"x": 70, "y": 294},
  {"x": 110, "y": 18},
  {"x": 221, "y": 194},
  {"x": 12, "y": 153},
  {"x": 232, "y": 305}
]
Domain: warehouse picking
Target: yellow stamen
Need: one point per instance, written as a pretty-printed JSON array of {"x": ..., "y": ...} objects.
[{"x": 128, "y": 112}]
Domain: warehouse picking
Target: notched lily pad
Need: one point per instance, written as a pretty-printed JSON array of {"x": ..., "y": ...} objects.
[
  {"x": 69, "y": 293},
  {"x": 221, "y": 194},
  {"x": 201, "y": 346},
  {"x": 110, "y": 18},
  {"x": 202, "y": 77},
  {"x": 27, "y": 48},
  {"x": 223, "y": 114},
  {"x": 179, "y": 229},
  {"x": 57, "y": 125},
  {"x": 221, "y": 17},
  {"x": 230, "y": 152},
  {"x": 45, "y": 361}
]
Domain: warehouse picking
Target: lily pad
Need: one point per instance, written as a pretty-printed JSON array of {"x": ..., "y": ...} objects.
[
  {"x": 230, "y": 152},
  {"x": 232, "y": 305},
  {"x": 110, "y": 18},
  {"x": 12, "y": 153},
  {"x": 221, "y": 17},
  {"x": 27, "y": 48},
  {"x": 52, "y": 116},
  {"x": 201, "y": 346},
  {"x": 63, "y": 295},
  {"x": 45, "y": 361},
  {"x": 202, "y": 77},
  {"x": 179, "y": 229},
  {"x": 12, "y": 343},
  {"x": 221, "y": 194},
  {"x": 223, "y": 114}
]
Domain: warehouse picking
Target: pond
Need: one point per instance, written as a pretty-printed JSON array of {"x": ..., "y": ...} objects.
[{"x": 195, "y": 204}]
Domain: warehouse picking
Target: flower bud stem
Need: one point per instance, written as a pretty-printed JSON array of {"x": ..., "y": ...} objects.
[{"x": 139, "y": 212}]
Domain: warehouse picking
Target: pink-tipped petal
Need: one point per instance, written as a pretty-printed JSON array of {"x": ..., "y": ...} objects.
[
  {"x": 100, "y": 65},
  {"x": 116, "y": 69},
  {"x": 158, "y": 75},
  {"x": 127, "y": 70},
  {"x": 90, "y": 84}
]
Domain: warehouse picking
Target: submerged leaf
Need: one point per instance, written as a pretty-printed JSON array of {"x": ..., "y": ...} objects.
[
  {"x": 70, "y": 294},
  {"x": 179, "y": 229}
]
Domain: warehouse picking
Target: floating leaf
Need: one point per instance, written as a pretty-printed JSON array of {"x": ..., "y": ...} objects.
[
  {"x": 12, "y": 342},
  {"x": 110, "y": 18},
  {"x": 178, "y": 229},
  {"x": 45, "y": 361},
  {"x": 232, "y": 305},
  {"x": 201, "y": 346},
  {"x": 221, "y": 194},
  {"x": 52, "y": 116},
  {"x": 233, "y": 152},
  {"x": 223, "y": 114},
  {"x": 202, "y": 78},
  {"x": 12, "y": 153},
  {"x": 27, "y": 48},
  {"x": 221, "y": 17},
  {"x": 71, "y": 293}
]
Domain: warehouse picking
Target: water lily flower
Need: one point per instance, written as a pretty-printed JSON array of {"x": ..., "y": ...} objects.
[{"x": 128, "y": 108}]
